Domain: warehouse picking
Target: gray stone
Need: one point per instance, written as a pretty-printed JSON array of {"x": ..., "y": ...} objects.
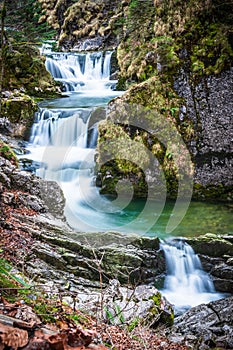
[
  {"x": 209, "y": 105},
  {"x": 207, "y": 325}
]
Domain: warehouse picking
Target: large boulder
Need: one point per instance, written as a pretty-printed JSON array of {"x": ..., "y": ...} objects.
[
  {"x": 23, "y": 188},
  {"x": 206, "y": 326},
  {"x": 17, "y": 110},
  {"x": 130, "y": 259},
  {"x": 142, "y": 305}
]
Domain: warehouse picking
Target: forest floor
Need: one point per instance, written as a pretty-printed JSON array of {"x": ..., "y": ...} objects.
[{"x": 30, "y": 319}]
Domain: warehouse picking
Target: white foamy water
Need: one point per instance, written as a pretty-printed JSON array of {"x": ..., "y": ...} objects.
[{"x": 186, "y": 283}]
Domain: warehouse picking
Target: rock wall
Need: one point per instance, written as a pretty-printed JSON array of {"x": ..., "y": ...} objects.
[
  {"x": 25, "y": 70},
  {"x": 209, "y": 104},
  {"x": 86, "y": 25},
  {"x": 177, "y": 61}
]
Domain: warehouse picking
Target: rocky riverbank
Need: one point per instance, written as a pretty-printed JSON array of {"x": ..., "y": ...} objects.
[{"x": 35, "y": 236}]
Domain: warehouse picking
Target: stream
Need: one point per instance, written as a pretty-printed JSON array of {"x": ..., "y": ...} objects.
[{"x": 62, "y": 148}]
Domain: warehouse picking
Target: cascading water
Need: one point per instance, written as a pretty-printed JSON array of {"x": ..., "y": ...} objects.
[
  {"x": 186, "y": 283},
  {"x": 63, "y": 141},
  {"x": 62, "y": 146},
  {"x": 80, "y": 72}
]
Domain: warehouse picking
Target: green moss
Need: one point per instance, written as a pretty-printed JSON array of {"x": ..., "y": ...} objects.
[
  {"x": 156, "y": 299},
  {"x": 25, "y": 70},
  {"x": 167, "y": 31},
  {"x": 7, "y": 153},
  {"x": 213, "y": 192},
  {"x": 166, "y": 316},
  {"x": 195, "y": 37}
]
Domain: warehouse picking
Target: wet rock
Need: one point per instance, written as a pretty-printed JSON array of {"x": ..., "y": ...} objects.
[
  {"x": 89, "y": 44},
  {"x": 223, "y": 277},
  {"x": 207, "y": 326},
  {"x": 209, "y": 105},
  {"x": 215, "y": 252}
]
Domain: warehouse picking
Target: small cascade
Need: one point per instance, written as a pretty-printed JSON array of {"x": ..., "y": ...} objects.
[
  {"x": 60, "y": 128},
  {"x": 80, "y": 72},
  {"x": 186, "y": 283}
]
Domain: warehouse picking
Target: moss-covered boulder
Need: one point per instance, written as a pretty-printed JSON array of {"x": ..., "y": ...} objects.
[
  {"x": 142, "y": 147},
  {"x": 24, "y": 69},
  {"x": 19, "y": 109},
  {"x": 212, "y": 245},
  {"x": 7, "y": 152}
]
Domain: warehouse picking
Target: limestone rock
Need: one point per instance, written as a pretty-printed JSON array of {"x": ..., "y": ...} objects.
[{"x": 208, "y": 325}]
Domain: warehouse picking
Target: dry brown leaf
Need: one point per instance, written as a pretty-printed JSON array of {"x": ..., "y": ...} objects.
[
  {"x": 62, "y": 325},
  {"x": 37, "y": 344},
  {"x": 79, "y": 337},
  {"x": 13, "y": 337},
  {"x": 26, "y": 313},
  {"x": 57, "y": 341}
]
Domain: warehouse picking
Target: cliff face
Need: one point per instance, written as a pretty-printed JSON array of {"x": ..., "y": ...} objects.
[
  {"x": 85, "y": 24},
  {"x": 176, "y": 60},
  {"x": 24, "y": 76}
]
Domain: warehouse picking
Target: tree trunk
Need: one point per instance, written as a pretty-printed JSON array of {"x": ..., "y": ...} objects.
[{"x": 3, "y": 45}]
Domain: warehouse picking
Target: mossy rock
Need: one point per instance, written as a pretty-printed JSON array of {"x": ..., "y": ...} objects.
[
  {"x": 211, "y": 245},
  {"x": 19, "y": 109},
  {"x": 7, "y": 153},
  {"x": 217, "y": 192},
  {"x": 25, "y": 69}
]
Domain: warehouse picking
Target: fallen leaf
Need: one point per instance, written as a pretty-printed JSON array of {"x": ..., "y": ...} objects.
[{"x": 13, "y": 337}]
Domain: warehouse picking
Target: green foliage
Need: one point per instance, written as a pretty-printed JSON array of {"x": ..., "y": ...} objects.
[
  {"x": 114, "y": 316},
  {"x": 133, "y": 4},
  {"x": 46, "y": 309},
  {"x": 9, "y": 282},
  {"x": 133, "y": 324},
  {"x": 22, "y": 22},
  {"x": 109, "y": 315}
]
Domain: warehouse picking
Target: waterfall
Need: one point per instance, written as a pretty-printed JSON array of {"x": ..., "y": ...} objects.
[
  {"x": 79, "y": 71},
  {"x": 60, "y": 127},
  {"x": 64, "y": 136},
  {"x": 186, "y": 283}
]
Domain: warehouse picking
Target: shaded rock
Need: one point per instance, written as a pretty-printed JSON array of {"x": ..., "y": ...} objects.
[
  {"x": 215, "y": 252},
  {"x": 25, "y": 71},
  {"x": 207, "y": 325},
  {"x": 19, "y": 110},
  {"x": 91, "y": 44},
  {"x": 38, "y": 195},
  {"x": 5, "y": 126},
  {"x": 223, "y": 277}
]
